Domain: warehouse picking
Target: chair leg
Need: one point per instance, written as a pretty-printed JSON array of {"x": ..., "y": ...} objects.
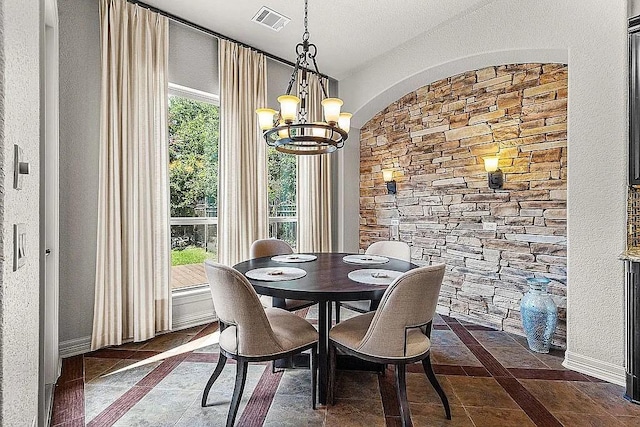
[
  {"x": 314, "y": 374},
  {"x": 332, "y": 374},
  {"x": 338, "y": 305},
  {"x": 428, "y": 369},
  {"x": 401, "y": 388},
  {"x": 222, "y": 359},
  {"x": 241, "y": 376}
]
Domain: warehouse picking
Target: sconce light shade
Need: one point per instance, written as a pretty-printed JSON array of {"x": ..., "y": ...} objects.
[
  {"x": 496, "y": 179},
  {"x": 387, "y": 175},
  {"x": 491, "y": 163}
]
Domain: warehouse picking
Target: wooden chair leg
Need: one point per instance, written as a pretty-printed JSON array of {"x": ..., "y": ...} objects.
[
  {"x": 241, "y": 377},
  {"x": 222, "y": 359},
  {"x": 338, "y": 305},
  {"x": 332, "y": 374},
  {"x": 428, "y": 369},
  {"x": 314, "y": 374},
  {"x": 401, "y": 388}
]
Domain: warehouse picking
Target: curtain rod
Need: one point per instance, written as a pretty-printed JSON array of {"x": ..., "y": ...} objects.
[{"x": 217, "y": 35}]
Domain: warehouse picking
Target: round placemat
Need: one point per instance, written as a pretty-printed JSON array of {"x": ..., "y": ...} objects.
[
  {"x": 374, "y": 276},
  {"x": 294, "y": 258},
  {"x": 275, "y": 274},
  {"x": 364, "y": 259}
]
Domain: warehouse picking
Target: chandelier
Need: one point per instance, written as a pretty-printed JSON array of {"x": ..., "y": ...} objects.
[{"x": 288, "y": 130}]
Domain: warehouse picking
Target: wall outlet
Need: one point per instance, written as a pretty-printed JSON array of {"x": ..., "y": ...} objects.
[
  {"x": 395, "y": 221},
  {"x": 489, "y": 226}
]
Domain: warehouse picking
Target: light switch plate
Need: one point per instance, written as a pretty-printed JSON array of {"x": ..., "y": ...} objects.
[
  {"x": 489, "y": 226},
  {"x": 19, "y": 246},
  {"x": 17, "y": 158}
]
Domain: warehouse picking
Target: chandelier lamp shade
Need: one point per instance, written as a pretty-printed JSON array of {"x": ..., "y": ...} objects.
[{"x": 289, "y": 130}]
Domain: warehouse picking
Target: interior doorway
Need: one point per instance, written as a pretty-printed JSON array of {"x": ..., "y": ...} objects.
[{"x": 49, "y": 212}]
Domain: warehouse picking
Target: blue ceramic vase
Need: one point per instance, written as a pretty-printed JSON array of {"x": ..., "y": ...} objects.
[{"x": 539, "y": 315}]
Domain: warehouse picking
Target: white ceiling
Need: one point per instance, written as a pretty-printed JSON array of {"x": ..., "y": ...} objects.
[{"x": 348, "y": 33}]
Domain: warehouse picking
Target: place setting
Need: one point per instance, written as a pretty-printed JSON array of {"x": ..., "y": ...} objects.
[
  {"x": 294, "y": 258},
  {"x": 365, "y": 259},
  {"x": 276, "y": 274},
  {"x": 374, "y": 276}
]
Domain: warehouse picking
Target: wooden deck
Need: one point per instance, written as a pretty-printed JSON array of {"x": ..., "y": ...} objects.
[{"x": 183, "y": 276}]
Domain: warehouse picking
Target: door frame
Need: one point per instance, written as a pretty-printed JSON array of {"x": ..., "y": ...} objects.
[{"x": 50, "y": 362}]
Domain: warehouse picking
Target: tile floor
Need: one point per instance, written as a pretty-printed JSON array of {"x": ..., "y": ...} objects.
[{"x": 490, "y": 377}]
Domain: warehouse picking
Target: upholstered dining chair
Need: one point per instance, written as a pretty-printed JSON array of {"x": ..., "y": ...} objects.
[
  {"x": 251, "y": 333},
  {"x": 388, "y": 248},
  {"x": 271, "y": 247},
  {"x": 398, "y": 332}
]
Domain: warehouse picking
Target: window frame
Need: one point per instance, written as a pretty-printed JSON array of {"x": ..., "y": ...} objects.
[{"x": 209, "y": 98}]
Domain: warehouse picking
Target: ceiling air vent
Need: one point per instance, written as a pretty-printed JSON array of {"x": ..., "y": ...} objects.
[{"x": 270, "y": 18}]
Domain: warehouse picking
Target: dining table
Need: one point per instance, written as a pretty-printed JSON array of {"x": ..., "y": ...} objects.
[{"x": 325, "y": 280}]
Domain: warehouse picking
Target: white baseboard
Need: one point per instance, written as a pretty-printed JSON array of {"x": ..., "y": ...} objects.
[
  {"x": 596, "y": 368},
  {"x": 191, "y": 307},
  {"x": 75, "y": 347}
]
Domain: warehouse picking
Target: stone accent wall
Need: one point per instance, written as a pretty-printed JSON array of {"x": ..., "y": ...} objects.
[{"x": 434, "y": 139}]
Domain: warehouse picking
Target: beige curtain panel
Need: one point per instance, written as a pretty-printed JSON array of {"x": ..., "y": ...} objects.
[
  {"x": 314, "y": 183},
  {"x": 132, "y": 289},
  {"x": 242, "y": 210}
]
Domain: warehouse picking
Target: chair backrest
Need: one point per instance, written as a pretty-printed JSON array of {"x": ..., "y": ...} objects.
[
  {"x": 390, "y": 248},
  {"x": 410, "y": 301},
  {"x": 269, "y": 247},
  {"x": 237, "y": 304}
]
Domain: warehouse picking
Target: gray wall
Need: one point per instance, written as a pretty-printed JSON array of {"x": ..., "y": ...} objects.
[
  {"x": 79, "y": 148},
  {"x": 193, "y": 58},
  {"x": 192, "y": 63},
  {"x": 20, "y": 26}
]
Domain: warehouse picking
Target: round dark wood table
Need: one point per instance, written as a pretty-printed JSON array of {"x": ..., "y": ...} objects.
[{"x": 326, "y": 281}]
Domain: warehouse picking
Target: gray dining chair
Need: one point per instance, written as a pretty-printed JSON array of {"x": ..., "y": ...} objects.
[
  {"x": 397, "y": 333},
  {"x": 251, "y": 333},
  {"x": 271, "y": 247},
  {"x": 388, "y": 248}
]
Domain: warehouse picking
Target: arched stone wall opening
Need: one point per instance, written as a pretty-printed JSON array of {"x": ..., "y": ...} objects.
[{"x": 434, "y": 138}]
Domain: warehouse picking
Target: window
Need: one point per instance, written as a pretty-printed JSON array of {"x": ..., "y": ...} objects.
[
  {"x": 193, "y": 178},
  {"x": 194, "y": 124},
  {"x": 282, "y": 196}
]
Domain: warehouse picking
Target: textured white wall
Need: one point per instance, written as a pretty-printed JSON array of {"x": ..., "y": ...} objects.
[
  {"x": 591, "y": 37},
  {"x": 19, "y": 291}
]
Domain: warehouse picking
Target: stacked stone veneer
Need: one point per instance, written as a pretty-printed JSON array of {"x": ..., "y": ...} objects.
[{"x": 492, "y": 241}]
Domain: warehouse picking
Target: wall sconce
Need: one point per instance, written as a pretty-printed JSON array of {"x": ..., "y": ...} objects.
[
  {"x": 494, "y": 173},
  {"x": 387, "y": 175}
]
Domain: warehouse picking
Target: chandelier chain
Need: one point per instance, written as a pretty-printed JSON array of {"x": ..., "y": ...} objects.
[{"x": 305, "y": 35}]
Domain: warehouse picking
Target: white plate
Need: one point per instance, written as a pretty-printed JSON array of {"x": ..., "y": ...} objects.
[
  {"x": 294, "y": 258},
  {"x": 364, "y": 259},
  {"x": 275, "y": 274},
  {"x": 374, "y": 276}
]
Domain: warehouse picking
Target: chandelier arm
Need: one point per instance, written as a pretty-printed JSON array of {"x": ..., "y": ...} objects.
[
  {"x": 294, "y": 76},
  {"x": 315, "y": 65}
]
